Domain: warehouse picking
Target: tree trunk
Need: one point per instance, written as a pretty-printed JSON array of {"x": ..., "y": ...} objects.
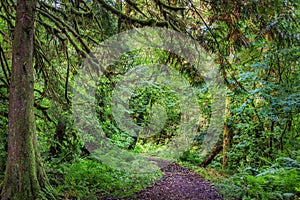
[
  {"x": 212, "y": 155},
  {"x": 24, "y": 175},
  {"x": 60, "y": 132},
  {"x": 227, "y": 134}
]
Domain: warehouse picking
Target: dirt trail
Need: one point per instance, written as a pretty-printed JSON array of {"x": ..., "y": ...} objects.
[{"x": 178, "y": 183}]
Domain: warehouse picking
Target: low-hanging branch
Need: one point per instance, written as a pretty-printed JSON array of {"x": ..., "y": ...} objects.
[
  {"x": 62, "y": 26},
  {"x": 52, "y": 8},
  {"x": 4, "y": 66},
  {"x": 173, "y": 8},
  {"x": 148, "y": 22},
  {"x": 53, "y": 30},
  {"x": 223, "y": 60},
  {"x": 135, "y": 6}
]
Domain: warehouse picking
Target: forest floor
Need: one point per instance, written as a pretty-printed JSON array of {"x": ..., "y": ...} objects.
[{"x": 178, "y": 183}]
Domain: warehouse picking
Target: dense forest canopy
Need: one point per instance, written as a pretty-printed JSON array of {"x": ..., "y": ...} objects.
[{"x": 255, "y": 47}]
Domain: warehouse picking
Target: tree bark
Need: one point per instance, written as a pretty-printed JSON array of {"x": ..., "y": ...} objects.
[
  {"x": 227, "y": 134},
  {"x": 24, "y": 176},
  {"x": 212, "y": 155}
]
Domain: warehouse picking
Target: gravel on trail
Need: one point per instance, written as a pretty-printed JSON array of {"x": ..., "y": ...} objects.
[{"x": 179, "y": 183}]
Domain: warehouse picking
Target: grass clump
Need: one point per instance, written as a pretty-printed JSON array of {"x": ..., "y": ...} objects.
[{"x": 90, "y": 179}]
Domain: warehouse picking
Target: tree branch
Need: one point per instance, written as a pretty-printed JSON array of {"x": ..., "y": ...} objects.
[{"x": 149, "y": 22}]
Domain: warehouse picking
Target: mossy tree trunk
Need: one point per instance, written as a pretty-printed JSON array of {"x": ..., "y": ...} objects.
[
  {"x": 24, "y": 176},
  {"x": 227, "y": 135}
]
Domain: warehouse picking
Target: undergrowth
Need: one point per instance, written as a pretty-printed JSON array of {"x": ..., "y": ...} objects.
[
  {"x": 90, "y": 179},
  {"x": 278, "y": 181}
]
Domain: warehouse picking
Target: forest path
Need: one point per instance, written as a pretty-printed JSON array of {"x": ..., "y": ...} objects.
[{"x": 178, "y": 183}]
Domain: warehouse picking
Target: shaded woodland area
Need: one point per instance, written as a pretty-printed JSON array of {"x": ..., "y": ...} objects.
[{"x": 255, "y": 46}]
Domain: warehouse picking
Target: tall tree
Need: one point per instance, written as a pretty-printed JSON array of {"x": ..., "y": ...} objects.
[{"x": 24, "y": 175}]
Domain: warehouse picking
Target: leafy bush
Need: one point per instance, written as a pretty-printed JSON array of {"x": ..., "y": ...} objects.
[
  {"x": 3, "y": 135},
  {"x": 280, "y": 181},
  {"x": 88, "y": 179}
]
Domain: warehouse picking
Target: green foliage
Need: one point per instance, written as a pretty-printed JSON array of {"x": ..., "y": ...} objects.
[
  {"x": 264, "y": 113},
  {"x": 89, "y": 179},
  {"x": 191, "y": 157},
  {"x": 104, "y": 111},
  {"x": 3, "y": 132},
  {"x": 141, "y": 104},
  {"x": 48, "y": 193},
  {"x": 279, "y": 181},
  {"x": 257, "y": 46}
]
